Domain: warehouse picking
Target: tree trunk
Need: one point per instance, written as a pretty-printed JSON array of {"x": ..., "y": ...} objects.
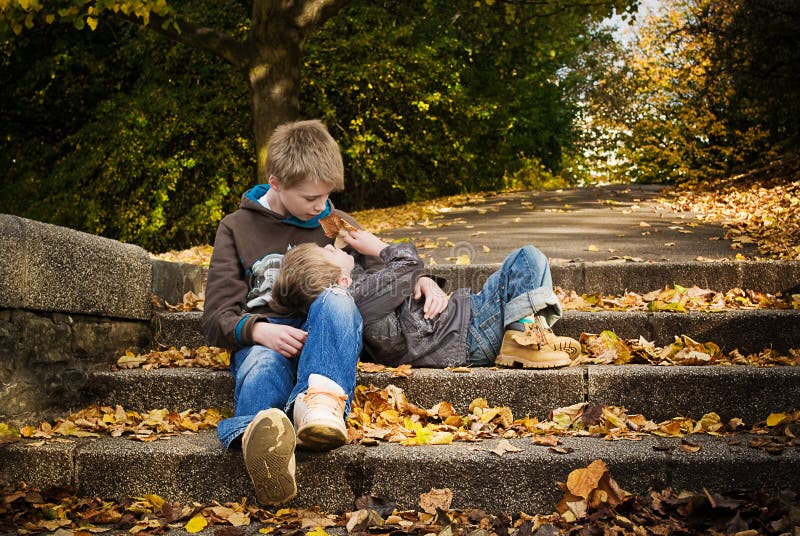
[
  {"x": 278, "y": 36},
  {"x": 274, "y": 77}
]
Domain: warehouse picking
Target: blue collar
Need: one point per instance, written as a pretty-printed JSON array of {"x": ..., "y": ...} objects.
[{"x": 258, "y": 191}]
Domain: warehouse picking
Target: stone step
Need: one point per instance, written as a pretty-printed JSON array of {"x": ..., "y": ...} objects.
[
  {"x": 196, "y": 468},
  {"x": 748, "y": 330},
  {"x": 659, "y": 393},
  {"x": 171, "y": 279}
]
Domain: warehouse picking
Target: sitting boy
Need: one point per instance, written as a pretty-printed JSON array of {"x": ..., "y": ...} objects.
[
  {"x": 303, "y": 365},
  {"x": 507, "y": 323}
]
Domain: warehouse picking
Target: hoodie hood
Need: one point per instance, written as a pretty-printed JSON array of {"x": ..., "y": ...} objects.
[{"x": 259, "y": 190}]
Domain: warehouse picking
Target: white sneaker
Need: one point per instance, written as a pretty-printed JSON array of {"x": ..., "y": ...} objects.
[
  {"x": 268, "y": 447},
  {"x": 319, "y": 419}
]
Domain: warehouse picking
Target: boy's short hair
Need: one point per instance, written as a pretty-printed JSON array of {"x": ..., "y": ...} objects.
[
  {"x": 303, "y": 275},
  {"x": 304, "y": 150}
]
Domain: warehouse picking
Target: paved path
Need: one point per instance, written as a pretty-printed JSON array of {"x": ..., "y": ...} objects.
[{"x": 619, "y": 223}]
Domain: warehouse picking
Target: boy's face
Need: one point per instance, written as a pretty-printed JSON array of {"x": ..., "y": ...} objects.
[
  {"x": 339, "y": 258},
  {"x": 304, "y": 201}
]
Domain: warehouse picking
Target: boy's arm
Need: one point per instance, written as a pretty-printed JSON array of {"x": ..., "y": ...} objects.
[
  {"x": 371, "y": 263},
  {"x": 223, "y": 322},
  {"x": 378, "y": 293}
]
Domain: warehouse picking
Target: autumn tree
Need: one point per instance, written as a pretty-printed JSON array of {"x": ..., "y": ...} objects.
[{"x": 706, "y": 88}]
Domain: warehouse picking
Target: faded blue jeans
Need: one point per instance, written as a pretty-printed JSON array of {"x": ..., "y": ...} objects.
[
  {"x": 521, "y": 287},
  {"x": 265, "y": 379}
]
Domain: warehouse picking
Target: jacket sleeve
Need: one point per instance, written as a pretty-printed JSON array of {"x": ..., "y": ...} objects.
[
  {"x": 224, "y": 323},
  {"x": 378, "y": 293}
]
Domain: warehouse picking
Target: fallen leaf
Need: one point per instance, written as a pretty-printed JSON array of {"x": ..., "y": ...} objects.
[
  {"x": 436, "y": 498},
  {"x": 503, "y": 447},
  {"x": 775, "y": 419}
]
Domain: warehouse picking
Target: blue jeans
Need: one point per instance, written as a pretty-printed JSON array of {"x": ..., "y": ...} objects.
[
  {"x": 265, "y": 379},
  {"x": 521, "y": 287}
]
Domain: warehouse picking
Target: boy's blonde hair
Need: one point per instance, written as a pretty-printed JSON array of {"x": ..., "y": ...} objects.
[
  {"x": 304, "y": 274},
  {"x": 304, "y": 150}
]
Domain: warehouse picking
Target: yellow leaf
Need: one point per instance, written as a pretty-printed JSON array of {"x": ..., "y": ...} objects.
[
  {"x": 775, "y": 419},
  {"x": 317, "y": 531},
  {"x": 8, "y": 434},
  {"x": 592, "y": 247},
  {"x": 92, "y": 22},
  {"x": 266, "y": 530},
  {"x": 155, "y": 500},
  {"x": 463, "y": 260},
  {"x": 196, "y": 524}
]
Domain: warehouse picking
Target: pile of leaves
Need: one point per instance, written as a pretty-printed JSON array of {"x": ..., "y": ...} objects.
[
  {"x": 606, "y": 348},
  {"x": 400, "y": 371},
  {"x": 420, "y": 213},
  {"x": 200, "y": 255},
  {"x": 677, "y": 299},
  {"x": 95, "y": 421},
  {"x": 387, "y": 415},
  {"x": 204, "y": 356},
  {"x": 593, "y": 501},
  {"x": 190, "y": 302},
  {"x": 761, "y": 207}
]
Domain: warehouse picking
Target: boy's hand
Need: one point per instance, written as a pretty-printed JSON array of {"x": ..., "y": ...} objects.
[
  {"x": 435, "y": 298},
  {"x": 285, "y": 340},
  {"x": 365, "y": 242}
]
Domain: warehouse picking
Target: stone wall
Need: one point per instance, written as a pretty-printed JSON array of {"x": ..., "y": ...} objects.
[
  {"x": 46, "y": 359},
  {"x": 70, "y": 303}
]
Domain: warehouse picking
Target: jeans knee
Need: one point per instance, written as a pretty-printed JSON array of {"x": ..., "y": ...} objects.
[
  {"x": 336, "y": 305},
  {"x": 533, "y": 254},
  {"x": 263, "y": 361}
]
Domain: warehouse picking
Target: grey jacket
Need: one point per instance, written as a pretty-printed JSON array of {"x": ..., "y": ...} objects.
[{"x": 395, "y": 329}]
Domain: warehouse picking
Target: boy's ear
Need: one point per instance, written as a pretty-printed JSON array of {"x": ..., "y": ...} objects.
[{"x": 274, "y": 183}]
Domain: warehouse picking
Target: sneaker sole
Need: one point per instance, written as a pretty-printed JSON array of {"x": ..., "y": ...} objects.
[
  {"x": 320, "y": 437},
  {"x": 515, "y": 362},
  {"x": 269, "y": 449}
]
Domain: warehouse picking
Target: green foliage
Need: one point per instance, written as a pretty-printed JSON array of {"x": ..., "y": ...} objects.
[
  {"x": 137, "y": 138},
  {"x": 438, "y": 98},
  {"x": 147, "y": 141}
]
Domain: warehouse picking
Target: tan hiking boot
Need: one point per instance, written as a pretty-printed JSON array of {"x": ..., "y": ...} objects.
[
  {"x": 319, "y": 419},
  {"x": 268, "y": 448},
  {"x": 534, "y": 345}
]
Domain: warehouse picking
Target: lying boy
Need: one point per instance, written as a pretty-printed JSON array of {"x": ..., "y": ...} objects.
[{"x": 507, "y": 323}]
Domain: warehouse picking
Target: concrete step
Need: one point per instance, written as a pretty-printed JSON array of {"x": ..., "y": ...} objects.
[
  {"x": 658, "y": 393},
  {"x": 748, "y": 330},
  {"x": 196, "y": 468}
]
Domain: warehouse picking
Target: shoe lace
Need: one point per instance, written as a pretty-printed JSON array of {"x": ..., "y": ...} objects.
[
  {"x": 316, "y": 397},
  {"x": 540, "y": 333}
]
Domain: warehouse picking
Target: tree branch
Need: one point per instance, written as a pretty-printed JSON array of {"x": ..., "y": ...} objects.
[
  {"x": 315, "y": 12},
  {"x": 218, "y": 43}
]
